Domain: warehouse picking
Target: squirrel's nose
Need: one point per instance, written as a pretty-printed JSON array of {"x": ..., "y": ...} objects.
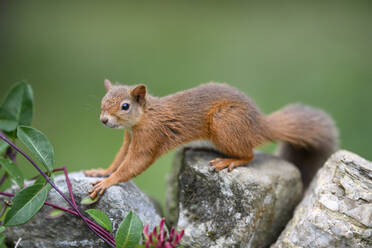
[{"x": 104, "y": 120}]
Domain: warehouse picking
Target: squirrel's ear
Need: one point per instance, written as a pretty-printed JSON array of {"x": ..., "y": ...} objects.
[
  {"x": 139, "y": 93},
  {"x": 108, "y": 84}
]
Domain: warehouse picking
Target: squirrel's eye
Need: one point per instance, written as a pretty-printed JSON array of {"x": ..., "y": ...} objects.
[{"x": 125, "y": 106}]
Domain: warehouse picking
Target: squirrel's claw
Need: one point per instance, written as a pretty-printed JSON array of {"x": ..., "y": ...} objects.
[
  {"x": 231, "y": 167},
  {"x": 96, "y": 182}
]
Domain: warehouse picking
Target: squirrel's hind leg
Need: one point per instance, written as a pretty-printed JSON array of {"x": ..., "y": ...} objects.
[
  {"x": 232, "y": 135},
  {"x": 237, "y": 155}
]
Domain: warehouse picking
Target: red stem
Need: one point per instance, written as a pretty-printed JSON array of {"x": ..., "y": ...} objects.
[
  {"x": 69, "y": 186},
  {"x": 101, "y": 230}
]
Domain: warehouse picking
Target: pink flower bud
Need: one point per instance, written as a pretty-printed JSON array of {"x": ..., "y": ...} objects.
[
  {"x": 178, "y": 237},
  {"x": 146, "y": 231},
  {"x": 171, "y": 235},
  {"x": 162, "y": 224},
  {"x": 168, "y": 245},
  {"x": 147, "y": 244}
]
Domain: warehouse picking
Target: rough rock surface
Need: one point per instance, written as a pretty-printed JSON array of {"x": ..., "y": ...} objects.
[
  {"x": 337, "y": 208},
  {"x": 70, "y": 231},
  {"x": 247, "y": 207}
]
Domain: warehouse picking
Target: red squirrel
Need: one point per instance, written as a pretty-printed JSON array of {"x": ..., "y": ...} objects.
[{"x": 216, "y": 112}]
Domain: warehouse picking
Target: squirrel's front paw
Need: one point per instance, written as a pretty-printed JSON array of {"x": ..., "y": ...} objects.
[
  {"x": 100, "y": 186},
  {"x": 96, "y": 173}
]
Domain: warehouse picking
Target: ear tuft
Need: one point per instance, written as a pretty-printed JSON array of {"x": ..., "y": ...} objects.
[
  {"x": 107, "y": 84},
  {"x": 139, "y": 93}
]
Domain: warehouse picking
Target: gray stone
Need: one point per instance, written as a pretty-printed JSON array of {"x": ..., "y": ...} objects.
[
  {"x": 70, "y": 231},
  {"x": 337, "y": 209},
  {"x": 247, "y": 207}
]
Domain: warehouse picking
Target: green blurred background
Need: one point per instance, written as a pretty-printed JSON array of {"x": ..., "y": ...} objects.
[{"x": 277, "y": 52}]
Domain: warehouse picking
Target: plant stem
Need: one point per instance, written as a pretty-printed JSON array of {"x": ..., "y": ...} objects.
[
  {"x": 2, "y": 136},
  {"x": 69, "y": 186},
  {"x": 103, "y": 231},
  {"x": 6, "y": 194},
  {"x": 3, "y": 178}
]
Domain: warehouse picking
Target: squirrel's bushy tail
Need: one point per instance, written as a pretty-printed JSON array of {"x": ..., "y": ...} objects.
[{"x": 309, "y": 136}]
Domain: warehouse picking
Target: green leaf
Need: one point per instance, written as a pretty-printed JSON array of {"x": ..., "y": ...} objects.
[
  {"x": 2, "y": 238},
  {"x": 101, "y": 218},
  {"x": 3, "y": 147},
  {"x": 88, "y": 201},
  {"x": 129, "y": 232},
  {"x": 2, "y": 229},
  {"x": 5, "y": 212},
  {"x": 38, "y": 144},
  {"x": 26, "y": 203},
  {"x": 40, "y": 180},
  {"x": 6, "y": 122},
  {"x": 55, "y": 213},
  {"x": 13, "y": 170},
  {"x": 17, "y": 108}
]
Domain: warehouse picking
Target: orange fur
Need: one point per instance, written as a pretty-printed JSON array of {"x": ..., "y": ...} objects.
[{"x": 213, "y": 111}]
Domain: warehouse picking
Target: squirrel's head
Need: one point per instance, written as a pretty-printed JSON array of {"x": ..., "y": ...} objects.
[{"x": 122, "y": 106}]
